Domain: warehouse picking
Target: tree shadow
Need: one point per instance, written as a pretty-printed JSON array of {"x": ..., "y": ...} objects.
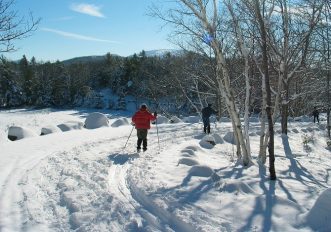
[
  {"x": 263, "y": 208},
  {"x": 300, "y": 173}
]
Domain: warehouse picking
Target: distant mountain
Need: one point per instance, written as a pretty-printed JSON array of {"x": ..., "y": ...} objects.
[
  {"x": 163, "y": 52},
  {"x": 151, "y": 53},
  {"x": 84, "y": 59}
]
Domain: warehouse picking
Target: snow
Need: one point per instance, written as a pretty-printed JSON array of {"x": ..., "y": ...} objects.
[{"x": 85, "y": 180}]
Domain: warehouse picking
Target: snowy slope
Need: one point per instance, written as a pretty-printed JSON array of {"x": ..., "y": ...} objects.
[{"x": 83, "y": 180}]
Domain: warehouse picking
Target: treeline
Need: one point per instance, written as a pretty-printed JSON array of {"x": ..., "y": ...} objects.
[
  {"x": 78, "y": 83},
  {"x": 176, "y": 83}
]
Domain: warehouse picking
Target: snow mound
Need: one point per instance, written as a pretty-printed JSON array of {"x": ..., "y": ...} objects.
[
  {"x": 161, "y": 119},
  {"x": 73, "y": 125},
  {"x": 201, "y": 170},
  {"x": 229, "y": 138},
  {"x": 175, "y": 119},
  {"x": 188, "y": 152},
  {"x": 192, "y": 119},
  {"x": 254, "y": 119},
  {"x": 319, "y": 217},
  {"x": 78, "y": 219},
  {"x": 17, "y": 133},
  {"x": 322, "y": 126},
  {"x": 49, "y": 130},
  {"x": 295, "y": 130},
  {"x": 96, "y": 120},
  {"x": 237, "y": 187},
  {"x": 218, "y": 139},
  {"x": 188, "y": 161},
  {"x": 120, "y": 122},
  {"x": 207, "y": 142}
]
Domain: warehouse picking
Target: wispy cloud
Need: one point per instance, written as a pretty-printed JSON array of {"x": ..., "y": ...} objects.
[
  {"x": 77, "y": 36},
  {"x": 88, "y": 9}
]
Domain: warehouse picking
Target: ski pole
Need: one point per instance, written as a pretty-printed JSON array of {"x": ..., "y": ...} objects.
[
  {"x": 128, "y": 138},
  {"x": 157, "y": 132}
]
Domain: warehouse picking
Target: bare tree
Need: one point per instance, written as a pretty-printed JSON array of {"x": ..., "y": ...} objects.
[
  {"x": 201, "y": 19},
  {"x": 13, "y": 27}
]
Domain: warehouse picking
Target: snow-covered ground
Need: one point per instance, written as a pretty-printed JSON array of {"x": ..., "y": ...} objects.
[{"x": 83, "y": 179}]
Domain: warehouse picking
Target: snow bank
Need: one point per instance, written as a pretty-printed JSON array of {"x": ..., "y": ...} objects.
[
  {"x": 120, "y": 122},
  {"x": 73, "y": 125},
  {"x": 17, "y": 133},
  {"x": 96, "y": 120}
]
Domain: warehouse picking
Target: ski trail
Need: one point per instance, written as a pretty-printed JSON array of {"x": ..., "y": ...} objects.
[
  {"x": 12, "y": 190},
  {"x": 80, "y": 187}
]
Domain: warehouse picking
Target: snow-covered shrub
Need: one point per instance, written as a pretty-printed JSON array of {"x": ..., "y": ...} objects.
[
  {"x": 306, "y": 139},
  {"x": 96, "y": 120},
  {"x": 17, "y": 133}
]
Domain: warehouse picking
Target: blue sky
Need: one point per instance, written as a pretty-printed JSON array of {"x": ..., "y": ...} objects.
[{"x": 81, "y": 28}]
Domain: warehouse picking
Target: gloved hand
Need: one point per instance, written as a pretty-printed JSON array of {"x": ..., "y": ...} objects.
[
  {"x": 132, "y": 123},
  {"x": 155, "y": 114}
]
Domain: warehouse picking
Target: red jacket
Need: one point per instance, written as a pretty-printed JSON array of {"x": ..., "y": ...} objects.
[{"x": 142, "y": 119}]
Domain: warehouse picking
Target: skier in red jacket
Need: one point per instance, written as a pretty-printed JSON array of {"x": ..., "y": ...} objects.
[{"x": 141, "y": 120}]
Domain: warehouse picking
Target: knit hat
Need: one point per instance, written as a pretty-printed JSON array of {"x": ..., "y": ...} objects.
[{"x": 143, "y": 106}]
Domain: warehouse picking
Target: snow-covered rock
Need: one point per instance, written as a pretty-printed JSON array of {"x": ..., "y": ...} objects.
[
  {"x": 120, "y": 122},
  {"x": 319, "y": 217},
  {"x": 175, "y": 119},
  {"x": 192, "y": 119},
  {"x": 229, "y": 137},
  {"x": 201, "y": 170},
  {"x": 49, "y": 130},
  {"x": 188, "y": 161},
  {"x": 162, "y": 119},
  {"x": 73, "y": 125},
  {"x": 207, "y": 141},
  {"x": 17, "y": 133},
  {"x": 96, "y": 120}
]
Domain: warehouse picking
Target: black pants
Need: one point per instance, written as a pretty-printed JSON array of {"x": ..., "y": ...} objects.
[
  {"x": 142, "y": 138},
  {"x": 206, "y": 125},
  {"x": 316, "y": 118}
]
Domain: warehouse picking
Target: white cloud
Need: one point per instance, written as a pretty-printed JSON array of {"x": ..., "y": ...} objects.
[
  {"x": 77, "y": 36},
  {"x": 88, "y": 9}
]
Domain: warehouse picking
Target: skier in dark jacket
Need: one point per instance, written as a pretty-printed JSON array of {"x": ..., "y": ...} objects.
[
  {"x": 316, "y": 114},
  {"x": 206, "y": 113},
  {"x": 142, "y": 119}
]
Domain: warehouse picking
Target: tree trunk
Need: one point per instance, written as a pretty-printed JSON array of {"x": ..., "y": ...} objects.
[{"x": 268, "y": 90}]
